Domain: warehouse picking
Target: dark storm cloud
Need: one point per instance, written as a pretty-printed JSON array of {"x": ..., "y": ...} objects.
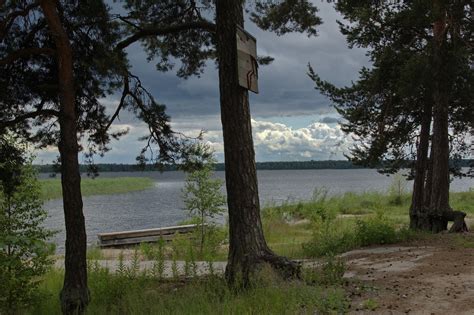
[{"x": 285, "y": 87}]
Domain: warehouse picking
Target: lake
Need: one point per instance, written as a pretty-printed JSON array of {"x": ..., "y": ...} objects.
[{"x": 162, "y": 205}]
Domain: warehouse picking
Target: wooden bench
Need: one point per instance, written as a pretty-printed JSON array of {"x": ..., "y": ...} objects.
[{"x": 126, "y": 238}]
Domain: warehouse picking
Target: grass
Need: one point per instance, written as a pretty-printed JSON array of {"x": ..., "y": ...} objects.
[
  {"x": 332, "y": 225},
  {"x": 142, "y": 294},
  {"x": 285, "y": 238},
  {"x": 51, "y": 188},
  {"x": 351, "y": 203},
  {"x": 370, "y": 304}
]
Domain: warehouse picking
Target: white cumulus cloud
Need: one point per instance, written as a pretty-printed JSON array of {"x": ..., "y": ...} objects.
[{"x": 317, "y": 141}]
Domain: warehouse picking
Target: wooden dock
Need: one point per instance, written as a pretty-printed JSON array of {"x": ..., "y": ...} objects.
[{"x": 125, "y": 238}]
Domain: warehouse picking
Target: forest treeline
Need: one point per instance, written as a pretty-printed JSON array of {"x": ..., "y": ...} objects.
[{"x": 283, "y": 165}]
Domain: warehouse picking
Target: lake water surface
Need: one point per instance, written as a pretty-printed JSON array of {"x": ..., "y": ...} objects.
[{"x": 162, "y": 204}]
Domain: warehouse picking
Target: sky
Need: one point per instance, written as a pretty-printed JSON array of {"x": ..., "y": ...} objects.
[{"x": 291, "y": 120}]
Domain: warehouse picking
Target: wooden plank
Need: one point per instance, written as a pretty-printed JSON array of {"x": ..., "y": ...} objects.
[
  {"x": 147, "y": 232},
  {"x": 136, "y": 240}
]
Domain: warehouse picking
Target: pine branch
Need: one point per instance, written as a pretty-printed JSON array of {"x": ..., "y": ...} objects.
[
  {"x": 24, "y": 53},
  {"x": 161, "y": 31},
  {"x": 30, "y": 115}
]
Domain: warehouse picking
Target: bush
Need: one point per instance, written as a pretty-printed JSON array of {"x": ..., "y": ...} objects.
[
  {"x": 329, "y": 242},
  {"x": 375, "y": 230},
  {"x": 332, "y": 238},
  {"x": 24, "y": 251}
]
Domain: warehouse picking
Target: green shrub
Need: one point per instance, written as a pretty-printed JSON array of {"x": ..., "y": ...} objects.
[
  {"x": 329, "y": 242},
  {"x": 24, "y": 251},
  {"x": 202, "y": 194},
  {"x": 375, "y": 230},
  {"x": 334, "y": 237},
  {"x": 378, "y": 230},
  {"x": 328, "y": 237}
]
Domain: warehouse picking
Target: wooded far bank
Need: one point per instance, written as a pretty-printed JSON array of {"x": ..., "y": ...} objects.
[{"x": 287, "y": 165}]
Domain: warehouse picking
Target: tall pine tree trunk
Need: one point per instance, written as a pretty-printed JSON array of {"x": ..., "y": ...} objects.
[
  {"x": 439, "y": 209},
  {"x": 247, "y": 246},
  {"x": 439, "y": 201},
  {"x": 75, "y": 294},
  {"x": 417, "y": 208}
]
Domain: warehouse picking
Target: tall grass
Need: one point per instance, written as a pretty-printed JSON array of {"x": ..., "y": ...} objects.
[
  {"x": 51, "y": 188},
  {"x": 142, "y": 294},
  {"x": 351, "y": 203}
]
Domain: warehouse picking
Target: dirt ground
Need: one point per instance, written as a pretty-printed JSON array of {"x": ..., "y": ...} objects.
[{"x": 430, "y": 276}]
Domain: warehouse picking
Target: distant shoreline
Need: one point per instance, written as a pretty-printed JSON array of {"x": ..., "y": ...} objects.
[{"x": 288, "y": 165}]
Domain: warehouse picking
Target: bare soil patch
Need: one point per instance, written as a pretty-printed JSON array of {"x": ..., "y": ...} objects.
[{"x": 430, "y": 276}]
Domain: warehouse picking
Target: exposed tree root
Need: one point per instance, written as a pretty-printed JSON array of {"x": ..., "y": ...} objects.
[
  {"x": 241, "y": 273},
  {"x": 287, "y": 268},
  {"x": 438, "y": 223},
  {"x": 459, "y": 224}
]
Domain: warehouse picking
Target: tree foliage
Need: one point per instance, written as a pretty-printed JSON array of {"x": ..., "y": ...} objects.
[
  {"x": 24, "y": 251},
  {"x": 383, "y": 109},
  {"x": 183, "y": 32},
  {"x": 29, "y": 103},
  {"x": 202, "y": 194}
]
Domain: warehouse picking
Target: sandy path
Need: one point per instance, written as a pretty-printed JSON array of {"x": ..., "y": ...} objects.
[{"x": 435, "y": 276}]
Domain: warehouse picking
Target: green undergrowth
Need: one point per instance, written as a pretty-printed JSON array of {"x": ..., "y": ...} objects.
[
  {"x": 328, "y": 225},
  {"x": 351, "y": 203},
  {"x": 51, "y": 188},
  {"x": 341, "y": 235},
  {"x": 142, "y": 293},
  {"x": 186, "y": 247}
]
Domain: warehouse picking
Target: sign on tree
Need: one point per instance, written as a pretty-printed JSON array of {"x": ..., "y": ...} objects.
[{"x": 247, "y": 60}]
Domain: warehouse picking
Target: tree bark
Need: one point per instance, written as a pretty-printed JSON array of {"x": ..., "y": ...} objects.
[
  {"x": 74, "y": 294},
  {"x": 417, "y": 208},
  {"x": 439, "y": 202},
  {"x": 439, "y": 210},
  {"x": 248, "y": 249}
]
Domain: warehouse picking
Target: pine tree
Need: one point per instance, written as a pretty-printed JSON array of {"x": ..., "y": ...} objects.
[
  {"x": 421, "y": 79},
  {"x": 202, "y": 195},
  {"x": 57, "y": 60}
]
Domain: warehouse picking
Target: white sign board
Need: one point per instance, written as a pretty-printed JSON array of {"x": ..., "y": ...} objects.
[{"x": 247, "y": 60}]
